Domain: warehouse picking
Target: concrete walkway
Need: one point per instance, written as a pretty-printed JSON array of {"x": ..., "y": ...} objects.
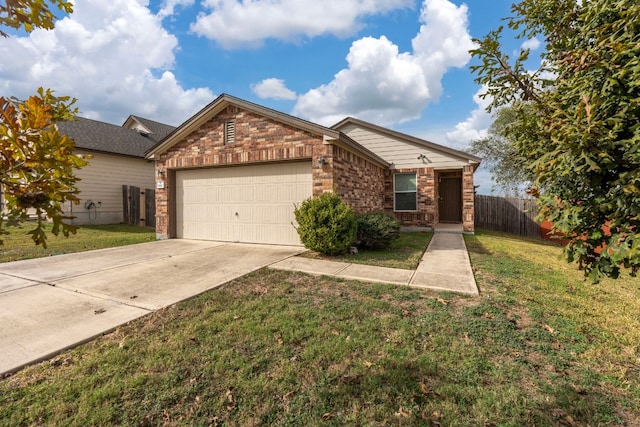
[{"x": 445, "y": 266}]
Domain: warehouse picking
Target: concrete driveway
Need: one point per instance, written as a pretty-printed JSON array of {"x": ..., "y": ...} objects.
[{"x": 50, "y": 304}]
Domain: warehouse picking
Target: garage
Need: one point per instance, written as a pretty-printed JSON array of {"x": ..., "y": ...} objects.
[{"x": 249, "y": 204}]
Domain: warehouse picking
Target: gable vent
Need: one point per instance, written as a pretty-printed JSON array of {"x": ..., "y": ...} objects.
[{"x": 230, "y": 132}]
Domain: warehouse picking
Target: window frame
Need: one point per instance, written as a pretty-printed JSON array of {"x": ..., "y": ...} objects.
[{"x": 395, "y": 192}]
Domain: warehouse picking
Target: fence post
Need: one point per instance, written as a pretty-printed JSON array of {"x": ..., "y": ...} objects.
[{"x": 150, "y": 207}]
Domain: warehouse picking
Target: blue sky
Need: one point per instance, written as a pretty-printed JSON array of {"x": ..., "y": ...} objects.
[{"x": 398, "y": 63}]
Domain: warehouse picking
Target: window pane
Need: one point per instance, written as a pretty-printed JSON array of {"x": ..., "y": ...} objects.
[
  {"x": 405, "y": 182},
  {"x": 406, "y": 202}
]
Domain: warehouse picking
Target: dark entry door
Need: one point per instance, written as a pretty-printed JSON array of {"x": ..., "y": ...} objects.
[{"x": 450, "y": 199}]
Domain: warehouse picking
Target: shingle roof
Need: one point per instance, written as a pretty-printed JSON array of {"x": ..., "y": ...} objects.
[
  {"x": 107, "y": 138},
  {"x": 158, "y": 130}
]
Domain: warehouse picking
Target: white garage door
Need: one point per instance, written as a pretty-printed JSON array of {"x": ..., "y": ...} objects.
[{"x": 251, "y": 204}]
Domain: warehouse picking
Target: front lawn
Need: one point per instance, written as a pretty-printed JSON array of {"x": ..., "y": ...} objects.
[
  {"x": 18, "y": 244},
  {"x": 405, "y": 252},
  {"x": 540, "y": 346}
]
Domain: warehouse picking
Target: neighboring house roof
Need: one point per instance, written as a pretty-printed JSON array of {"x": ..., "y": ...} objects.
[
  {"x": 470, "y": 158},
  {"x": 104, "y": 137},
  {"x": 154, "y": 130},
  {"x": 224, "y": 100}
]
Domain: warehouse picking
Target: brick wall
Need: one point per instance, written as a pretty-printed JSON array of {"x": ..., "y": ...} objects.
[
  {"x": 426, "y": 214},
  {"x": 468, "y": 199},
  {"x": 257, "y": 140},
  {"x": 358, "y": 181}
]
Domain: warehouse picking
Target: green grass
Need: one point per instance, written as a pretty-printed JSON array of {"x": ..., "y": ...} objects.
[
  {"x": 404, "y": 252},
  {"x": 539, "y": 347},
  {"x": 18, "y": 244}
]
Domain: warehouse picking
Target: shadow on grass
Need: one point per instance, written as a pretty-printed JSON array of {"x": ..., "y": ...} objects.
[{"x": 475, "y": 246}]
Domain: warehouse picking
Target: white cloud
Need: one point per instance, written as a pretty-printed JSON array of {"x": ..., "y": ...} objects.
[
  {"x": 235, "y": 23},
  {"x": 443, "y": 40},
  {"x": 385, "y": 86},
  {"x": 380, "y": 85},
  {"x": 474, "y": 127},
  {"x": 113, "y": 55},
  {"x": 273, "y": 89},
  {"x": 532, "y": 44},
  {"x": 169, "y": 6}
]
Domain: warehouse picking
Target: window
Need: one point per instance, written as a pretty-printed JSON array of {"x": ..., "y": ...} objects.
[
  {"x": 229, "y": 132},
  {"x": 405, "y": 194}
]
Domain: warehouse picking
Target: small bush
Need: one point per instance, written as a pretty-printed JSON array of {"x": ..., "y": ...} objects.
[
  {"x": 376, "y": 230},
  {"x": 326, "y": 224}
]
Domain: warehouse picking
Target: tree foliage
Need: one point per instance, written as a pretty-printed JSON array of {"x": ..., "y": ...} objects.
[
  {"x": 508, "y": 167},
  {"x": 37, "y": 162},
  {"x": 30, "y": 14},
  {"x": 577, "y": 122},
  {"x": 37, "y": 174}
]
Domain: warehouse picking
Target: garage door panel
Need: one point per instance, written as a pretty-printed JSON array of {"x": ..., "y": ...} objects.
[{"x": 262, "y": 196}]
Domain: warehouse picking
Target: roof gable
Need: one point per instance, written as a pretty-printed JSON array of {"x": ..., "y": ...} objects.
[
  {"x": 401, "y": 149},
  {"x": 223, "y": 101},
  {"x": 220, "y": 104}
]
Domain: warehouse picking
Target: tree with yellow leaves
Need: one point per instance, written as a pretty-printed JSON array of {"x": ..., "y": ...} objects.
[{"x": 36, "y": 162}]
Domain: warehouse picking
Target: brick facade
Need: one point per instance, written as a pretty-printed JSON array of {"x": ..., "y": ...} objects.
[
  {"x": 427, "y": 212},
  {"x": 468, "y": 199},
  {"x": 359, "y": 182},
  {"x": 258, "y": 140},
  {"x": 362, "y": 182}
]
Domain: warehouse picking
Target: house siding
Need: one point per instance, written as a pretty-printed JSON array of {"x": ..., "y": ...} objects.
[
  {"x": 102, "y": 180},
  {"x": 403, "y": 154}
]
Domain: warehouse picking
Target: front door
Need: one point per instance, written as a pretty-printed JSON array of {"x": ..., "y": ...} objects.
[{"x": 450, "y": 190}]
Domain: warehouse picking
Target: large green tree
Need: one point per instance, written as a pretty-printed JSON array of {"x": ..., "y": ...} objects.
[
  {"x": 36, "y": 162},
  {"x": 577, "y": 121},
  {"x": 499, "y": 154}
]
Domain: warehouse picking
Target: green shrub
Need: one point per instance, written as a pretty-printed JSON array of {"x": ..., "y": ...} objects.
[
  {"x": 376, "y": 230},
  {"x": 326, "y": 224}
]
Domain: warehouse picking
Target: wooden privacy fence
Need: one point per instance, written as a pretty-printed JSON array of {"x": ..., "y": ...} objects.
[
  {"x": 139, "y": 206},
  {"x": 508, "y": 214}
]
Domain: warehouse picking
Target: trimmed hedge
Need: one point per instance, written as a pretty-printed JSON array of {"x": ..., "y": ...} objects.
[{"x": 326, "y": 224}]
